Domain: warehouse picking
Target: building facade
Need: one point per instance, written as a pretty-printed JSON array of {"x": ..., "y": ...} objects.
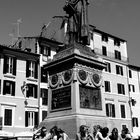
[
  {"x": 113, "y": 51},
  {"x": 134, "y": 89},
  {"x": 18, "y": 89}
]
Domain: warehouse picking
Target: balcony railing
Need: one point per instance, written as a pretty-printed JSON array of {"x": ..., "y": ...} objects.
[{"x": 111, "y": 55}]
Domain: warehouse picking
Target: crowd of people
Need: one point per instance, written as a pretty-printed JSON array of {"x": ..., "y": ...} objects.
[{"x": 99, "y": 133}]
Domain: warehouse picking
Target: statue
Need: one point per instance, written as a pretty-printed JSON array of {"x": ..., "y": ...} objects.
[{"x": 78, "y": 28}]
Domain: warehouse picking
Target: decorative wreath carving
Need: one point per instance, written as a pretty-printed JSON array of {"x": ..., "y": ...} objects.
[
  {"x": 96, "y": 79},
  {"x": 82, "y": 76},
  {"x": 54, "y": 80},
  {"x": 67, "y": 76}
]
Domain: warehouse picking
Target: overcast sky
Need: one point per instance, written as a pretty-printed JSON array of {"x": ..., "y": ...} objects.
[{"x": 117, "y": 17}]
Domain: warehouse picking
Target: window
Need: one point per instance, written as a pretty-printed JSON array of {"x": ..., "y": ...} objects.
[
  {"x": 9, "y": 88},
  {"x": 44, "y": 95},
  {"x": 108, "y": 67},
  {"x": 104, "y": 37},
  {"x": 104, "y": 51},
  {"x": 45, "y": 50},
  {"x": 119, "y": 70},
  {"x": 110, "y": 110},
  {"x": 131, "y": 88},
  {"x": 31, "y": 90},
  {"x": 31, "y": 69},
  {"x": 135, "y": 122},
  {"x": 44, "y": 77},
  {"x": 44, "y": 115},
  {"x": 117, "y": 55},
  {"x": 31, "y": 118},
  {"x": 130, "y": 74},
  {"x": 8, "y": 117},
  {"x": 122, "y": 111},
  {"x": 107, "y": 86},
  {"x": 116, "y": 42},
  {"x": 9, "y": 65},
  {"x": 121, "y": 89}
]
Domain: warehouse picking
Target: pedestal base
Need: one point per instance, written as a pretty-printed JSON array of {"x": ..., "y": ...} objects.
[{"x": 71, "y": 124}]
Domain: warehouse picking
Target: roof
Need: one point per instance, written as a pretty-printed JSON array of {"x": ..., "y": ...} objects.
[
  {"x": 134, "y": 67},
  {"x": 108, "y": 34},
  {"x": 17, "y": 52}
]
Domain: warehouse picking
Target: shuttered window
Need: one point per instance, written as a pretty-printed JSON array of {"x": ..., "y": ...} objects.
[
  {"x": 122, "y": 111},
  {"x": 107, "y": 86},
  {"x": 44, "y": 95},
  {"x": 31, "y": 118},
  {"x": 9, "y": 65},
  {"x": 119, "y": 70},
  {"x": 9, "y": 88},
  {"x": 135, "y": 122},
  {"x": 31, "y": 69},
  {"x": 121, "y": 89},
  {"x": 108, "y": 67},
  {"x": 31, "y": 90},
  {"x": 8, "y": 117},
  {"x": 110, "y": 110},
  {"x": 104, "y": 51}
]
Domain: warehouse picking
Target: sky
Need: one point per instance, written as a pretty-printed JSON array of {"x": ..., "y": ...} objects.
[{"x": 120, "y": 18}]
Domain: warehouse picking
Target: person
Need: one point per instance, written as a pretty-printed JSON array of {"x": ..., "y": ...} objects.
[
  {"x": 114, "y": 134},
  {"x": 61, "y": 135},
  {"x": 105, "y": 132},
  {"x": 83, "y": 133},
  {"x": 97, "y": 133},
  {"x": 122, "y": 135},
  {"x": 128, "y": 135},
  {"x": 40, "y": 133}
]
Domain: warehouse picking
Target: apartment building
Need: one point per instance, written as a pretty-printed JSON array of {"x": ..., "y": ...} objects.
[
  {"x": 134, "y": 89},
  {"x": 45, "y": 48},
  {"x": 18, "y": 90},
  {"x": 113, "y": 50}
]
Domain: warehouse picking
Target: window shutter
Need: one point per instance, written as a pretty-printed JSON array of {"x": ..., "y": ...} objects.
[
  {"x": 35, "y": 91},
  {"x": 13, "y": 88},
  {"x": 26, "y": 118},
  {"x": 4, "y": 87},
  {"x": 122, "y": 111},
  {"x": 121, "y": 70},
  {"x": 129, "y": 88},
  {"x": 113, "y": 110},
  {"x": 27, "y": 68},
  {"x": 36, "y": 70},
  {"x": 107, "y": 110},
  {"x": 137, "y": 125},
  {"x": 14, "y": 66},
  {"x": 123, "y": 89},
  {"x": 109, "y": 68},
  {"x": 36, "y": 119},
  {"x": 133, "y": 122},
  {"x": 5, "y": 65},
  {"x": 133, "y": 88}
]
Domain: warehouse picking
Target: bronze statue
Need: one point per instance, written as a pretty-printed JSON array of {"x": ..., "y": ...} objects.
[{"x": 78, "y": 28}]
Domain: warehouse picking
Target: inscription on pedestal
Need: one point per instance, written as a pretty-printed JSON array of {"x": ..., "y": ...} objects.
[
  {"x": 61, "y": 99},
  {"x": 90, "y": 98}
]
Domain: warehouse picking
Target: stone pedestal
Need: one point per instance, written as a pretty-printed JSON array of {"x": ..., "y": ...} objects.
[{"x": 75, "y": 96}]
